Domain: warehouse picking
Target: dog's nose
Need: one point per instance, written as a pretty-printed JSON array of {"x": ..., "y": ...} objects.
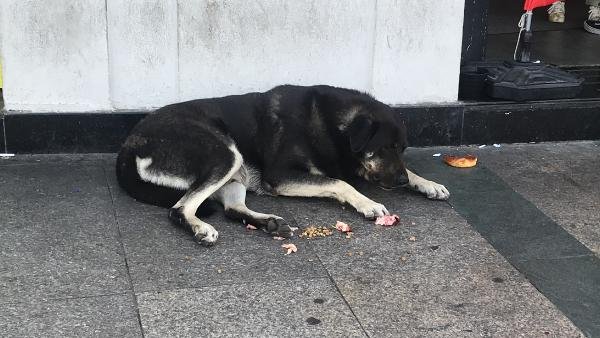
[{"x": 401, "y": 180}]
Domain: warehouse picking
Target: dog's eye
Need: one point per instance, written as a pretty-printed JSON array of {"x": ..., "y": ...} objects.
[{"x": 369, "y": 154}]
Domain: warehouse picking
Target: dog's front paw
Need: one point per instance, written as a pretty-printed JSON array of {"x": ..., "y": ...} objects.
[
  {"x": 371, "y": 209},
  {"x": 433, "y": 190},
  {"x": 207, "y": 236},
  {"x": 278, "y": 226}
]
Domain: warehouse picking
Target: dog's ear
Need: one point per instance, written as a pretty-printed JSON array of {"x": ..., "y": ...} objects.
[{"x": 360, "y": 131}]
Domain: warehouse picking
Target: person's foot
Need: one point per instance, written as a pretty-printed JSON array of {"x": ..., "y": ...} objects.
[
  {"x": 592, "y": 24},
  {"x": 556, "y": 12}
]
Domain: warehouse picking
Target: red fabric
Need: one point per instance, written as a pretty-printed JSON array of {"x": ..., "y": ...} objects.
[{"x": 531, "y": 4}]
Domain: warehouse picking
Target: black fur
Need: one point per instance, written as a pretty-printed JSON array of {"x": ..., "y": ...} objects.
[{"x": 282, "y": 133}]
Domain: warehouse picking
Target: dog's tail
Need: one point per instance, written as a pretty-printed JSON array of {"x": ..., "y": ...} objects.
[{"x": 130, "y": 180}]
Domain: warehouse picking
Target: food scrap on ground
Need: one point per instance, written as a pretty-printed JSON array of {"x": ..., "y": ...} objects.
[
  {"x": 290, "y": 248},
  {"x": 250, "y": 227},
  {"x": 467, "y": 161},
  {"x": 387, "y": 220},
  {"x": 343, "y": 227},
  {"x": 278, "y": 238},
  {"x": 293, "y": 228},
  {"x": 412, "y": 238},
  {"x": 315, "y": 231}
]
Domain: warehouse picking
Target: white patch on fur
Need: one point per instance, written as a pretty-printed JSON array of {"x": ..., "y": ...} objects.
[
  {"x": 338, "y": 190},
  {"x": 429, "y": 188},
  {"x": 313, "y": 169},
  {"x": 158, "y": 178}
]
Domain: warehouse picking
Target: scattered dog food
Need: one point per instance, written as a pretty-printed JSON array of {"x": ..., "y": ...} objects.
[
  {"x": 315, "y": 231},
  {"x": 251, "y": 227},
  {"x": 388, "y": 220},
  {"x": 467, "y": 161},
  {"x": 343, "y": 227},
  {"x": 290, "y": 248}
]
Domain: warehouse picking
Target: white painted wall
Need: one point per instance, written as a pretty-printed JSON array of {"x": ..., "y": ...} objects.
[
  {"x": 85, "y": 55},
  {"x": 54, "y": 55},
  {"x": 142, "y": 49}
]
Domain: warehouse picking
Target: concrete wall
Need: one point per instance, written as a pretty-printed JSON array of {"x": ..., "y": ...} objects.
[{"x": 84, "y": 55}]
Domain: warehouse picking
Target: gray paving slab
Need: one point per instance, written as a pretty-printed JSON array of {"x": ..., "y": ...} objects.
[
  {"x": 284, "y": 308},
  {"x": 106, "y": 316},
  {"x": 561, "y": 179},
  {"x": 527, "y": 237},
  {"x": 125, "y": 205},
  {"x": 579, "y": 296},
  {"x": 161, "y": 256},
  {"x": 447, "y": 282},
  {"x": 58, "y": 233},
  {"x": 89, "y": 158}
]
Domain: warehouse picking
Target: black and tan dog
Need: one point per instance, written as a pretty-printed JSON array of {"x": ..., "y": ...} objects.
[{"x": 290, "y": 141}]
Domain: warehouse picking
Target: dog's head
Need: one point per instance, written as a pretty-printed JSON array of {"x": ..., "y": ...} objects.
[{"x": 377, "y": 138}]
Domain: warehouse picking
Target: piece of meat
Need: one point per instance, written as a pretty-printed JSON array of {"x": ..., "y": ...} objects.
[
  {"x": 250, "y": 227},
  {"x": 466, "y": 161},
  {"x": 343, "y": 227},
  {"x": 388, "y": 220},
  {"x": 290, "y": 248}
]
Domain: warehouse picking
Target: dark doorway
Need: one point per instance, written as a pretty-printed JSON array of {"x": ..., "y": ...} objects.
[{"x": 563, "y": 44}]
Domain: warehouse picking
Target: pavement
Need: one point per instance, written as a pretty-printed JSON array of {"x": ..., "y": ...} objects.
[{"x": 513, "y": 253}]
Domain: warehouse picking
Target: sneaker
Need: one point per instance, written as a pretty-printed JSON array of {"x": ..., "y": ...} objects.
[
  {"x": 592, "y": 24},
  {"x": 556, "y": 12}
]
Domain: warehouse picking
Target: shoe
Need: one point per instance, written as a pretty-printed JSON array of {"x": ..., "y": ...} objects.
[
  {"x": 592, "y": 24},
  {"x": 556, "y": 12}
]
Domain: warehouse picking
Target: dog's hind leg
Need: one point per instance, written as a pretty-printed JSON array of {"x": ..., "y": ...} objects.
[
  {"x": 233, "y": 197},
  {"x": 184, "y": 211}
]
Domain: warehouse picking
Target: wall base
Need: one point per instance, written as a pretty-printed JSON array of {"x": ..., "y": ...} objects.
[{"x": 435, "y": 125}]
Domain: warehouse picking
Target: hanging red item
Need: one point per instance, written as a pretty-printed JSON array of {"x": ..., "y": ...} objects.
[{"x": 531, "y": 4}]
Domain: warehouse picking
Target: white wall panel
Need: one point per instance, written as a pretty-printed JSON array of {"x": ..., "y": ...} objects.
[
  {"x": 54, "y": 55},
  {"x": 417, "y": 50},
  {"x": 237, "y": 46},
  {"x": 142, "y": 46}
]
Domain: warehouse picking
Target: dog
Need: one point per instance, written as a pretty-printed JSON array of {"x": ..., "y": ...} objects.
[{"x": 289, "y": 141}]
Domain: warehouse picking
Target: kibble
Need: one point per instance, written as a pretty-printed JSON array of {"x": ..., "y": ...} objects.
[{"x": 316, "y": 231}]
